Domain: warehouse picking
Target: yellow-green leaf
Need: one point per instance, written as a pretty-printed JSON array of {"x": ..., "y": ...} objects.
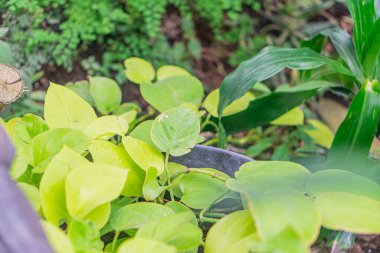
[
  {"x": 212, "y": 100},
  {"x": 65, "y": 109},
  {"x": 140, "y": 151},
  {"x": 92, "y": 185},
  {"x": 57, "y": 238},
  {"x": 106, "y": 127},
  {"x": 170, "y": 70},
  {"x": 139, "y": 70},
  {"x": 321, "y": 134},
  {"x": 293, "y": 117}
]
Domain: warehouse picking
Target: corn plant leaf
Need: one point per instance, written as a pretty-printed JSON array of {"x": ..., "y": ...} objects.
[
  {"x": 106, "y": 94},
  {"x": 174, "y": 230},
  {"x": 371, "y": 52},
  {"x": 259, "y": 113},
  {"x": 145, "y": 245},
  {"x": 65, "y": 109},
  {"x": 355, "y": 135},
  {"x": 267, "y": 63},
  {"x": 139, "y": 70},
  {"x": 231, "y": 231},
  {"x": 346, "y": 49},
  {"x": 92, "y": 185},
  {"x": 363, "y": 13},
  {"x": 172, "y": 92},
  {"x": 176, "y": 131},
  {"x": 137, "y": 215}
]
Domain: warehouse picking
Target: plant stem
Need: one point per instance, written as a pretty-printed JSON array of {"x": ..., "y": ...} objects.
[
  {"x": 117, "y": 233},
  {"x": 167, "y": 175},
  {"x": 202, "y": 217},
  {"x": 201, "y": 171}
]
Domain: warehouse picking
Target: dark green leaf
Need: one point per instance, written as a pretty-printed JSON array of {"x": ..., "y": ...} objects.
[
  {"x": 259, "y": 113},
  {"x": 346, "y": 49},
  {"x": 266, "y": 64},
  {"x": 371, "y": 53},
  {"x": 363, "y": 14}
]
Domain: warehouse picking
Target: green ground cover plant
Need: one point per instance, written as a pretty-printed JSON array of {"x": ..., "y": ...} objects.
[{"x": 97, "y": 170}]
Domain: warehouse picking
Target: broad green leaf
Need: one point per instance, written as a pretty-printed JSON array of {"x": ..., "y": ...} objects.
[
  {"x": 267, "y": 63},
  {"x": 199, "y": 190},
  {"x": 286, "y": 241},
  {"x": 152, "y": 189},
  {"x": 346, "y": 49},
  {"x": 176, "y": 131},
  {"x": 65, "y": 109},
  {"x": 172, "y": 92},
  {"x": 346, "y": 201},
  {"x": 49, "y": 143},
  {"x": 274, "y": 192},
  {"x": 212, "y": 100},
  {"x": 115, "y": 206},
  {"x": 349, "y": 212},
  {"x": 100, "y": 215},
  {"x": 106, "y": 127},
  {"x": 52, "y": 186},
  {"x": 354, "y": 137},
  {"x": 84, "y": 236},
  {"x": 170, "y": 71},
  {"x": 57, "y": 238},
  {"x": 106, "y": 94},
  {"x": 107, "y": 153},
  {"x": 32, "y": 194},
  {"x": 293, "y": 117},
  {"x": 144, "y": 245},
  {"x": 142, "y": 131},
  {"x": 281, "y": 101},
  {"x": 92, "y": 185},
  {"x": 174, "y": 230},
  {"x": 139, "y": 70},
  {"x": 139, "y": 151},
  {"x": 178, "y": 208},
  {"x": 137, "y": 215},
  {"x": 82, "y": 88},
  {"x": 34, "y": 125},
  {"x": 363, "y": 13},
  {"x": 230, "y": 232},
  {"x": 319, "y": 133}
]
